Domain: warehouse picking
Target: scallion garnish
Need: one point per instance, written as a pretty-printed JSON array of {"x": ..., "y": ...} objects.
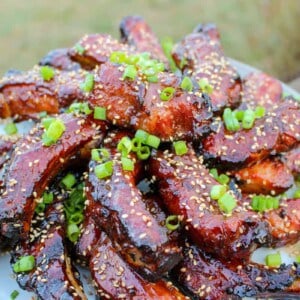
[
  {"x": 76, "y": 218},
  {"x": 125, "y": 146},
  {"x": 297, "y": 193},
  {"x": 273, "y": 260},
  {"x": 143, "y": 153},
  {"x": 217, "y": 191},
  {"x": 104, "y": 170},
  {"x": 73, "y": 232},
  {"x": 48, "y": 197},
  {"x": 24, "y": 264},
  {"x": 130, "y": 72},
  {"x": 11, "y": 128},
  {"x": 88, "y": 84},
  {"x": 230, "y": 120},
  {"x": 54, "y": 132},
  {"x": 47, "y": 73},
  {"x": 248, "y": 119},
  {"x": 205, "y": 86},
  {"x": 127, "y": 164},
  {"x": 101, "y": 154},
  {"x": 152, "y": 141},
  {"x": 100, "y": 113},
  {"x": 118, "y": 57},
  {"x": 79, "y": 49},
  {"x": 14, "y": 294},
  {"x": 172, "y": 222},
  {"x": 167, "y": 93},
  {"x": 227, "y": 203},
  {"x": 260, "y": 112},
  {"x": 167, "y": 46},
  {"x": 180, "y": 147},
  {"x": 187, "y": 84},
  {"x": 141, "y": 135},
  {"x": 262, "y": 203},
  {"x": 69, "y": 181},
  {"x": 80, "y": 108}
]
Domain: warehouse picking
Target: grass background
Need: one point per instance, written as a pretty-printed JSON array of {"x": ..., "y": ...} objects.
[{"x": 263, "y": 33}]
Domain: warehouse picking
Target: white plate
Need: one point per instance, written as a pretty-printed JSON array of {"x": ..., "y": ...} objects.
[{"x": 8, "y": 283}]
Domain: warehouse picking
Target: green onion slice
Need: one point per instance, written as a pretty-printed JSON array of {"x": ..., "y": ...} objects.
[
  {"x": 79, "y": 49},
  {"x": 260, "y": 112},
  {"x": 11, "y": 128},
  {"x": 101, "y": 154},
  {"x": 69, "y": 181},
  {"x": 143, "y": 153},
  {"x": 88, "y": 84},
  {"x": 273, "y": 260},
  {"x": 125, "y": 146},
  {"x": 54, "y": 132},
  {"x": 104, "y": 170},
  {"x": 14, "y": 294},
  {"x": 127, "y": 164},
  {"x": 180, "y": 147},
  {"x": 187, "y": 84},
  {"x": 48, "y": 197},
  {"x": 205, "y": 86},
  {"x": 172, "y": 222},
  {"x": 47, "y": 73},
  {"x": 231, "y": 122},
  {"x": 130, "y": 72},
  {"x": 227, "y": 203},
  {"x": 73, "y": 232},
  {"x": 24, "y": 264},
  {"x": 217, "y": 191},
  {"x": 248, "y": 119},
  {"x": 167, "y": 94},
  {"x": 153, "y": 141},
  {"x": 100, "y": 113},
  {"x": 141, "y": 135}
]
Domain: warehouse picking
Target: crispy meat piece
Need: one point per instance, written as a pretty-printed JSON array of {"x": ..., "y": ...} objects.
[
  {"x": 117, "y": 207},
  {"x": 208, "y": 278},
  {"x": 136, "y": 32},
  {"x": 260, "y": 89},
  {"x": 6, "y": 147},
  {"x": 284, "y": 223},
  {"x": 96, "y": 50},
  {"x": 277, "y": 132},
  {"x": 25, "y": 95},
  {"x": 54, "y": 275},
  {"x": 270, "y": 176},
  {"x": 59, "y": 59},
  {"x": 115, "y": 279},
  {"x": 137, "y": 104},
  {"x": 185, "y": 184},
  {"x": 201, "y": 56},
  {"x": 292, "y": 160},
  {"x": 33, "y": 166}
]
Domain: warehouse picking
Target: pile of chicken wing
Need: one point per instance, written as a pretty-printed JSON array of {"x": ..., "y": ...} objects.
[{"x": 153, "y": 231}]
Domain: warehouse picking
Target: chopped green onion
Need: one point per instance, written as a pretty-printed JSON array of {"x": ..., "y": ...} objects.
[
  {"x": 273, "y": 260},
  {"x": 47, "y": 73},
  {"x": 183, "y": 63},
  {"x": 125, "y": 146},
  {"x": 79, "y": 49},
  {"x": 127, "y": 164},
  {"x": 80, "y": 108},
  {"x": 223, "y": 179},
  {"x": 48, "y": 198},
  {"x": 172, "y": 222},
  {"x": 10, "y": 128},
  {"x": 217, "y": 191},
  {"x": 262, "y": 203},
  {"x": 239, "y": 114},
  {"x": 167, "y": 93},
  {"x": 227, "y": 203},
  {"x": 248, "y": 119},
  {"x": 54, "y": 132},
  {"x": 143, "y": 153},
  {"x": 297, "y": 259},
  {"x": 73, "y": 232},
  {"x": 141, "y": 135},
  {"x": 76, "y": 218},
  {"x": 100, "y": 113},
  {"x": 167, "y": 46},
  {"x": 231, "y": 122},
  {"x": 152, "y": 79},
  {"x": 118, "y": 57},
  {"x": 131, "y": 60},
  {"x": 88, "y": 84},
  {"x": 180, "y": 147},
  {"x": 260, "y": 112},
  {"x": 153, "y": 141},
  {"x": 68, "y": 181},
  {"x": 136, "y": 144},
  {"x": 297, "y": 193},
  {"x": 40, "y": 208},
  {"x": 101, "y": 154},
  {"x": 187, "y": 84},
  {"x": 205, "y": 86},
  {"x": 104, "y": 170},
  {"x": 47, "y": 121},
  {"x": 14, "y": 294},
  {"x": 24, "y": 264},
  {"x": 130, "y": 72},
  {"x": 214, "y": 173}
]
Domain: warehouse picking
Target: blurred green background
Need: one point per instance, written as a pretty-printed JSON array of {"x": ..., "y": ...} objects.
[{"x": 262, "y": 33}]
